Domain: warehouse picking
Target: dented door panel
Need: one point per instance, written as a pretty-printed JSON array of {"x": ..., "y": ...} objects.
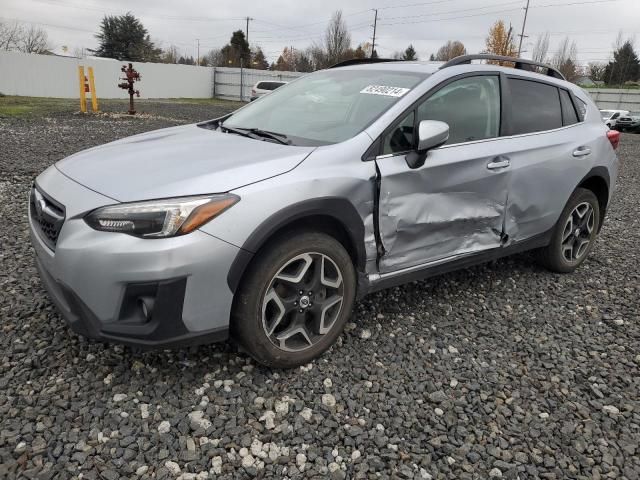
[
  {"x": 544, "y": 173},
  {"x": 452, "y": 205}
]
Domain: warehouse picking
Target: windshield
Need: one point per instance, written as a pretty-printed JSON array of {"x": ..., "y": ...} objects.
[{"x": 326, "y": 107}]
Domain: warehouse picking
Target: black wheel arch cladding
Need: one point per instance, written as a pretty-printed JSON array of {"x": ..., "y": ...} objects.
[
  {"x": 339, "y": 209},
  {"x": 599, "y": 182}
]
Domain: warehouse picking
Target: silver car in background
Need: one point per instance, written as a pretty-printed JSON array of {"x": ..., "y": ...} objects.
[
  {"x": 264, "y": 87},
  {"x": 267, "y": 224}
]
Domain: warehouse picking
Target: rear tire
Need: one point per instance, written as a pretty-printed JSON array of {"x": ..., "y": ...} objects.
[
  {"x": 294, "y": 300},
  {"x": 574, "y": 234}
]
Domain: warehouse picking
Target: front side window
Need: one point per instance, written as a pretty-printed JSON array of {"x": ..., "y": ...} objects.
[
  {"x": 535, "y": 106},
  {"x": 470, "y": 106},
  {"x": 401, "y": 138},
  {"x": 327, "y": 107}
]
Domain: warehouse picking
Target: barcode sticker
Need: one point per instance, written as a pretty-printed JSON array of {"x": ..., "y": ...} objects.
[{"x": 384, "y": 90}]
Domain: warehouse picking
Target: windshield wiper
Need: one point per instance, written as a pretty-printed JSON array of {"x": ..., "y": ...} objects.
[
  {"x": 239, "y": 131},
  {"x": 256, "y": 132},
  {"x": 278, "y": 137}
]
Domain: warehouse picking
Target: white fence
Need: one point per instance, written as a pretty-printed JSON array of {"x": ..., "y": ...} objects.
[
  {"x": 52, "y": 76},
  {"x": 616, "y": 99}
]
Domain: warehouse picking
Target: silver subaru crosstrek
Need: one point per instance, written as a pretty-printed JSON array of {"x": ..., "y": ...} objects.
[{"x": 267, "y": 224}]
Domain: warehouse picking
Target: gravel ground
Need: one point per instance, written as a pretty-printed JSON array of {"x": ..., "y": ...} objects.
[{"x": 503, "y": 370}]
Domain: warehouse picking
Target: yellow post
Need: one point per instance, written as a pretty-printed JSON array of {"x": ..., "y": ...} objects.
[
  {"x": 83, "y": 98},
  {"x": 92, "y": 86}
]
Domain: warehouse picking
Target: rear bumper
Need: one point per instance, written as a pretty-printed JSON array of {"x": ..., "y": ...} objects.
[
  {"x": 631, "y": 127},
  {"x": 99, "y": 281}
]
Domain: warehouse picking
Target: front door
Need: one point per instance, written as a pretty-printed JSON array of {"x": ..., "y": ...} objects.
[{"x": 455, "y": 203}]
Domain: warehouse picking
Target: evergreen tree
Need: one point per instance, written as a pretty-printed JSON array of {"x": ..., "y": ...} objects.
[
  {"x": 186, "y": 61},
  {"x": 237, "y": 49},
  {"x": 303, "y": 63},
  {"x": 259, "y": 60},
  {"x": 624, "y": 67},
  {"x": 123, "y": 37},
  {"x": 410, "y": 53}
]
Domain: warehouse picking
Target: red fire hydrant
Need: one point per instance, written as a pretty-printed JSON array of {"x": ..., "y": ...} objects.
[{"x": 131, "y": 76}]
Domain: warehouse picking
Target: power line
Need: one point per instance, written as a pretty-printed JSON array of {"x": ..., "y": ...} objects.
[{"x": 431, "y": 14}]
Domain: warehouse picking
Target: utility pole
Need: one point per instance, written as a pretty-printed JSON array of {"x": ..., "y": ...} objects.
[
  {"x": 198, "y": 55},
  {"x": 375, "y": 24},
  {"x": 247, "y": 29},
  {"x": 524, "y": 24}
]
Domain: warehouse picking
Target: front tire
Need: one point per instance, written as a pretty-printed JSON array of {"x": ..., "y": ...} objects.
[
  {"x": 574, "y": 234},
  {"x": 294, "y": 300}
]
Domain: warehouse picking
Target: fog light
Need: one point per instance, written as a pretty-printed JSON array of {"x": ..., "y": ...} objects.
[{"x": 146, "y": 305}]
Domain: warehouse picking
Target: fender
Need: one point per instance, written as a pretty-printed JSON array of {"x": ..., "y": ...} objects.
[{"x": 338, "y": 208}]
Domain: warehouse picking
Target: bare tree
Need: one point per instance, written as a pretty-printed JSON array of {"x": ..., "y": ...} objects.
[
  {"x": 596, "y": 71},
  {"x": 213, "y": 58},
  {"x": 318, "y": 56},
  {"x": 170, "y": 55},
  {"x": 34, "y": 40},
  {"x": 565, "y": 59},
  {"x": 337, "y": 39},
  {"x": 541, "y": 48},
  {"x": 10, "y": 35},
  {"x": 451, "y": 49}
]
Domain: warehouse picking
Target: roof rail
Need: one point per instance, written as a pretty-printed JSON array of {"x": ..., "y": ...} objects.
[
  {"x": 360, "y": 61},
  {"x": 520, "y": 63}
]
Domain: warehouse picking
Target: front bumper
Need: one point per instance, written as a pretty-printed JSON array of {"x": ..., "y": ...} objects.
[{"x": 100, "y": 281}]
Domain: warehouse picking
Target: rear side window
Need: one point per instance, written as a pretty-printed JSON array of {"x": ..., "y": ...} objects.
[
  {"x": 269, "y": 85},
  {"x": 569, "y": 115},
  {"x": 535, "y": 106}
]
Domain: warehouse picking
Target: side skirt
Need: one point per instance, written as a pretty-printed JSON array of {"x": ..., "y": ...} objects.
[{"x": 420, "y": 272}]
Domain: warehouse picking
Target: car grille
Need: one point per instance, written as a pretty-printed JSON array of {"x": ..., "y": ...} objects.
[{"x": 47, "y": 215}]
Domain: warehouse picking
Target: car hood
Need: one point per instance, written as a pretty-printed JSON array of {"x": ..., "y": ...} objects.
[{"x": 179, "y": 161}]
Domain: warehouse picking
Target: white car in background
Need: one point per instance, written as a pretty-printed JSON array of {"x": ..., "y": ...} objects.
[
  {"x": 610, "y": 117},
  {"x": 264, "y": 87}
]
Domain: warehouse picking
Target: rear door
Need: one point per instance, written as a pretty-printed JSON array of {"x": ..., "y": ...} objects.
[
  {"x": 550, "y": 152},
  {"x": 455, "y": 203}
]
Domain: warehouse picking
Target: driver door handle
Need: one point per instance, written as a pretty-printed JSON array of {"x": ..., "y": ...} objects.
[{"x": 498, "y": 163}]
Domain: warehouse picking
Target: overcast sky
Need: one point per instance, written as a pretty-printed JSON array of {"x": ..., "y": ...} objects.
[{"x": 593, "y": 24}]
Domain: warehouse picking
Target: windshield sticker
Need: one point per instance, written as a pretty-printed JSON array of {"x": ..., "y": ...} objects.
[{"x": 384, "y": 90}]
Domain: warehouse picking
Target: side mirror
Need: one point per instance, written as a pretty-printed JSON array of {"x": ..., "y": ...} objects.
[{"x": 431, "y": 134}]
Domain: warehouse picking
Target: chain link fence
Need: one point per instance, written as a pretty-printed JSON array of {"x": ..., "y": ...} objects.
[{"x": 236, "y": 83}]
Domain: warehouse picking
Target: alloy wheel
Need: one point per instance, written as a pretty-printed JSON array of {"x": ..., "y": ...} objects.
[
  {"x": 302, "y": 302},
  {"x": 578, "y": 232}
]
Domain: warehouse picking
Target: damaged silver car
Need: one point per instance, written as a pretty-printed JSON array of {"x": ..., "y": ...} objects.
[{"x": 267, "y": 224}]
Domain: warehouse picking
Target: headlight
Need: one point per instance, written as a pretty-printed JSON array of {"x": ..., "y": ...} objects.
[{"x": 160, "y": 218}]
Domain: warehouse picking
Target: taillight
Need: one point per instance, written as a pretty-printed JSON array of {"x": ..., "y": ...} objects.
[
  {"x": 253, "y": 92},
  {"x": 614, "y": 138}
]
